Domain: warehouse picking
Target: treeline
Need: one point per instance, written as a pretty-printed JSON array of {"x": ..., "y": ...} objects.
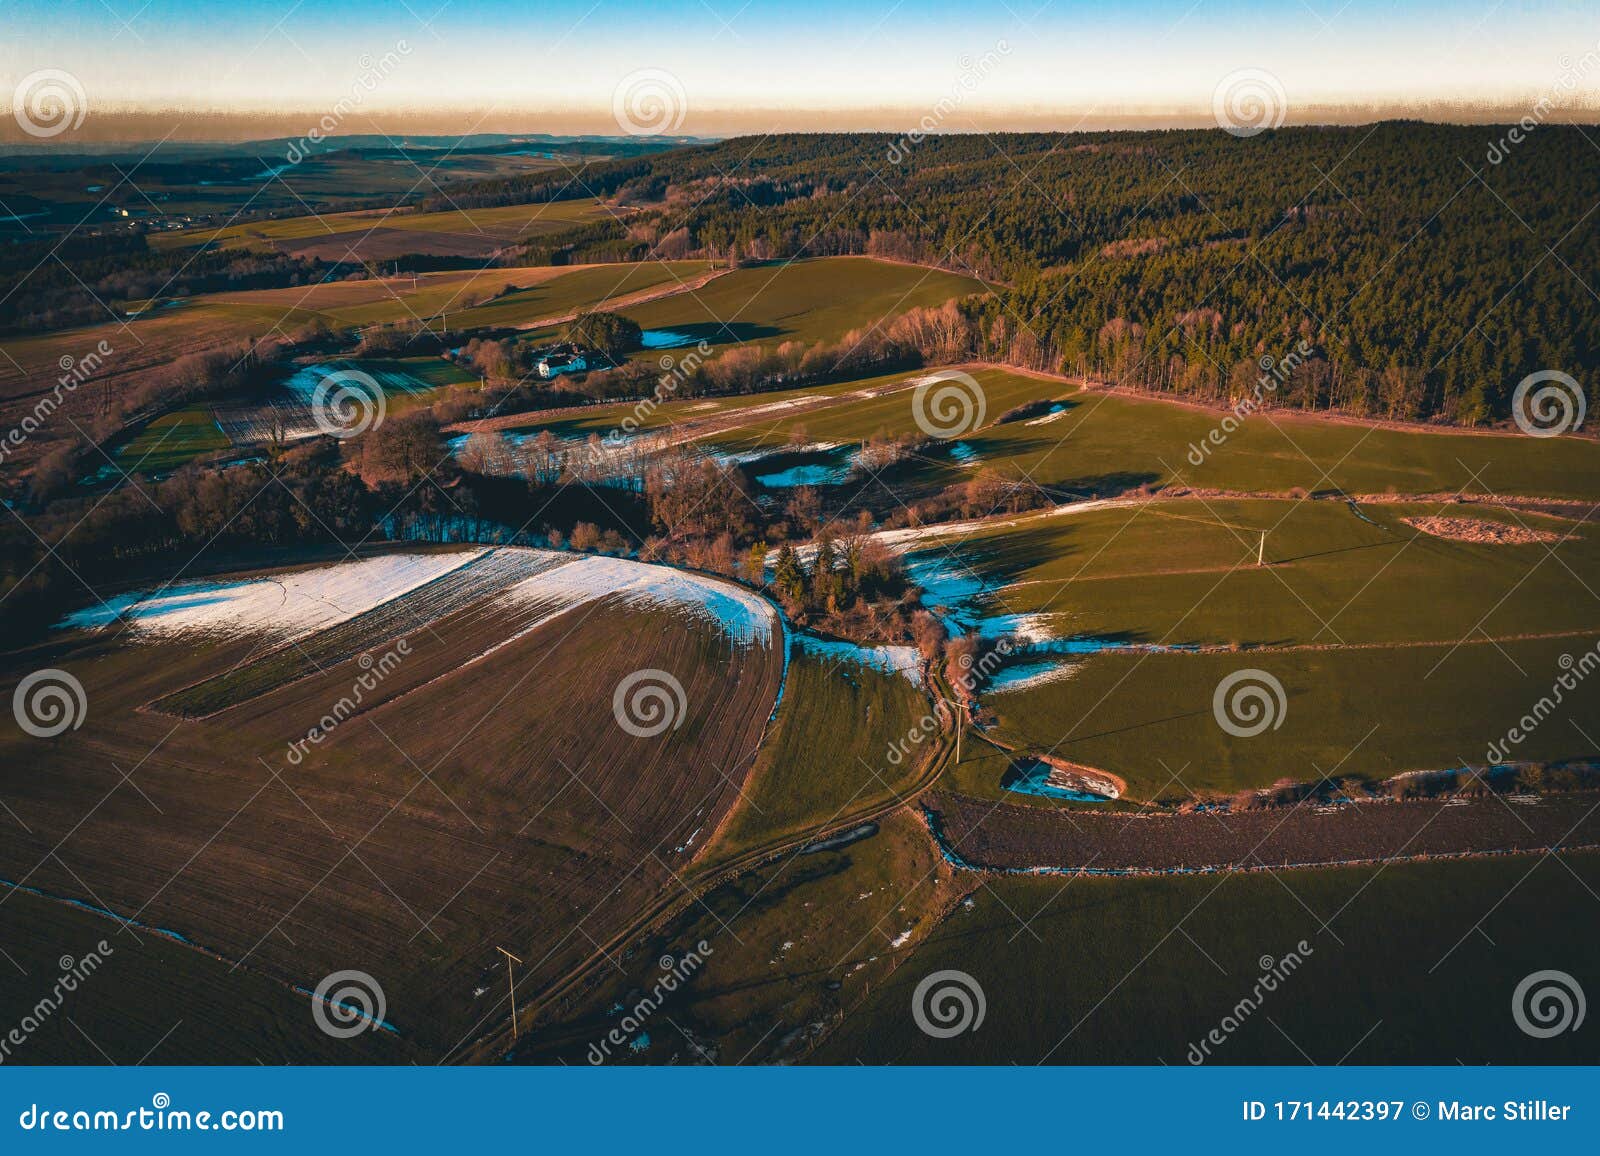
[
  {"x": 1429, "y": 281},
  {"x": 53, "y": 283}
]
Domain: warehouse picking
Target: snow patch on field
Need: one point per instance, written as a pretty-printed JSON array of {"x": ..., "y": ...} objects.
[
  {"x": 1025, "y": 628},
  {"x": 742, "y": 615},
  {"x": 290, "y": 605},
  {"x": 1026, "y": 675},
  {"x": 903, "y": 660}
]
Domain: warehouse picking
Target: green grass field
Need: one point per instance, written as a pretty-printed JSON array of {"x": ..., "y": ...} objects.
[
  {"x": 1367, "y": 712},
  {"x": 508, "y": 222},
  {"x": 814, "y": 770},
  {"x": 171, "y": 441},
  {"x": 1103, "y": 435},
  {"x": 588, "y": 288},
  {"x": 1417, "y": 964},
  {"x": 791, "y": 943},
  {"x": 1184, "y": 572},
  {"x": 816, "y": 300}
]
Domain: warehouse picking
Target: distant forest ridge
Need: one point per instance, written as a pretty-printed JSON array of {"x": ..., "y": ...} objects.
[{"x": 1399, "y": 270}]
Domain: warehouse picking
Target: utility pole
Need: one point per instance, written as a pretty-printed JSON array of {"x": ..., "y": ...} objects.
[
  {"x": 512, "y": 979},
  {"x": 1261, "y": 550}
]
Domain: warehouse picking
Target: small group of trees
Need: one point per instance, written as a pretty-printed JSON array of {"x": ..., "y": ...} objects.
[
  {"x": 847, "y": 568},
  {"x": 612, "y": 334}
]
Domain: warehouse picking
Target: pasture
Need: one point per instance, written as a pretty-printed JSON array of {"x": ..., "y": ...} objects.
[
  {"x": 814, "y": 300},
  {"x": 792, "y": 944},
  {"x": 1135, "y": 971},
  {"x": 811, "y": 771},
  {"x": 379, "y": 235}
]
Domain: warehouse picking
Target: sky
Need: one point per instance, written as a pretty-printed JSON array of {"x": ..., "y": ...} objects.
[{"x": 730, "y": 65}]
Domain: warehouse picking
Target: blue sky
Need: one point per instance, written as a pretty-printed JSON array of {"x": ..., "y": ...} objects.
[{"x": 566, "y": 58}]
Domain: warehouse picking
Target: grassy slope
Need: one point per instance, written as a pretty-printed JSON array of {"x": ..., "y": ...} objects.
[
  {"x": 1148, "y": 717},
  {"x": 1184, "y": 573},
  {"x": 1134, "y": 971},
  {"x": 778, "y": 937},
  {"x": 827, "y": 753},
  {"x": 1105, "y": 435},
  {"x": 818, "y": 300},
  {"x": 1105, "y": 440},
  {"x": 171, "y": 440},
  {"x": 508, "y": 221}
]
